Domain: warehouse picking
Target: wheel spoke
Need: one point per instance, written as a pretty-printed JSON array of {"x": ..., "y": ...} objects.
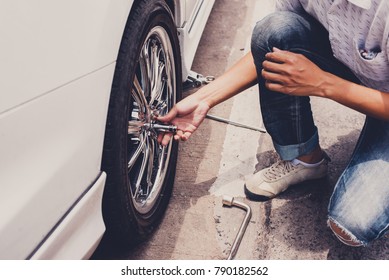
[
  {"x": 143, "y": 168},
  {"x": 154, "y": 62},
  {"x": 138, "y": 151},
  {"x": 159, "y": 81},
  {"x": 150, "y": 167},
  {"x": 157, "y": 91},
  {"x": 139, "y": 97},
  {"x": 145, "y": 69}
]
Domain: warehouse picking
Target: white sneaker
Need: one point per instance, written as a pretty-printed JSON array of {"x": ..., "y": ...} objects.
[{"x": 271, "y": 181}]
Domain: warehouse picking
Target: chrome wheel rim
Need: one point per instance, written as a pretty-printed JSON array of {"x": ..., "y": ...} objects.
[{"x": 153, "y": 94}]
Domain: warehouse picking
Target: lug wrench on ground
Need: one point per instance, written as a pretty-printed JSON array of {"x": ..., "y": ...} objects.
[{"x": 230, "y": 201}]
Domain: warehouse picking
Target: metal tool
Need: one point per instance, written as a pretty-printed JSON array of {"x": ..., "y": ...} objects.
[
  {"x": 230, "y": 201},
  {"x": 135, "y": 127},
  {"x": 161, "y": 127},
  {"x": 219, "y": 119},
  {"x": 196, "y": 80},
  {"x": 172, "y": 128}
]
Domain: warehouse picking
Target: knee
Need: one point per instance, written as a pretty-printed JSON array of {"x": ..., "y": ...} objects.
[
  {"x": 280, "y": 29},
  {"x": 352, "y": 220},
  {"x": 344, "y": 235}
]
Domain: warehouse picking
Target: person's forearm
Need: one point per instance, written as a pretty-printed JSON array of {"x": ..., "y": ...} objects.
[
  {"x": 363, "y": 99},
  {"x": 239, "y": 77},
  {"x": 294, "y": 74}
]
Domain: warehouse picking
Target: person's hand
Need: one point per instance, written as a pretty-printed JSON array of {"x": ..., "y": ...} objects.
[
  {"x": 187, "y": 115},
  {"x": 291, "y": 73}
]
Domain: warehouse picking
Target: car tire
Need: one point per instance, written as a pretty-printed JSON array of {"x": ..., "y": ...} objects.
[{"x": 147, "y": 82}]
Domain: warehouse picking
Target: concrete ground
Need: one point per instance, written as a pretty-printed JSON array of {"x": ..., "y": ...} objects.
[{"x": 215, "y": 161}]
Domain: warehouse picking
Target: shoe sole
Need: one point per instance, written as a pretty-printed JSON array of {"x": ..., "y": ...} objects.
[{"x": 256, "y": 197}]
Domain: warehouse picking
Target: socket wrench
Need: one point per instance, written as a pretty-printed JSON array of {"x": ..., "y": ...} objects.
[
  {"x": 138, "y": 126},
  {"x": 161, "y": 127}
]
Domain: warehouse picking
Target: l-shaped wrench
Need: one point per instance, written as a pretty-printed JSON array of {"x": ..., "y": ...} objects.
[{"x": 230, "y": 201}]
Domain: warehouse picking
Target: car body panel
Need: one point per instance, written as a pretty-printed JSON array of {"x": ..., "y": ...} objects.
[
  {"x": 51, "y": 153},
  {"x": 57, "y": 63},
  {"x": 78, "y": 45},
  {"x": 79, "y": 233}
]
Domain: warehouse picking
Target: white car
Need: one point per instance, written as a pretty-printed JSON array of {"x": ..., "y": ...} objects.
[{"x": 81, "y": 82}]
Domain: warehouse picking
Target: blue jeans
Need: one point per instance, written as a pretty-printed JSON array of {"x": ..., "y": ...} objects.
[{"x": 360, "y": 202}]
